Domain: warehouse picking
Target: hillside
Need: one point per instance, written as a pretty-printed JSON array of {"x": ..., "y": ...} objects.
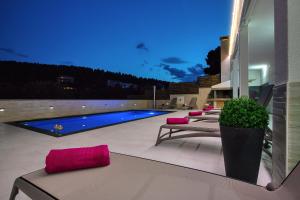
[{"x": 19, "y": 80}]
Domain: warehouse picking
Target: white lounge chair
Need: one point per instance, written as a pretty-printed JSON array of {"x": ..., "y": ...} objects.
[{"x": 129, "y": 178}]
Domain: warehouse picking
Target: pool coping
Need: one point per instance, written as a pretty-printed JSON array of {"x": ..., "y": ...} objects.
[{"x": 49, "y": 133}]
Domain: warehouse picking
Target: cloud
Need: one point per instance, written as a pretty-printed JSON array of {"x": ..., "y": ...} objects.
[
  {"x": 173, "y": 60},
  {"x": 181, "y": 75},
  {"x": 196, "y": 70},
  {"x": 142, "y": 46},
  {"x": 13, "y": 52},
  {"x": 175, "y": 73}
]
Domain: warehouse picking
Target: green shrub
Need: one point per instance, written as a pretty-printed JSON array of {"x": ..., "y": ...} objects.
[{"x": 244, "y": 113}]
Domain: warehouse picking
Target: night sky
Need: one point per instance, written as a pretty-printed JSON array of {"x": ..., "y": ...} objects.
[{"x": 163, "y": 39}]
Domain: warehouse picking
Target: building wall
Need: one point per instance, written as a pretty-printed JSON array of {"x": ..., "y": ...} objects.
[
  {"x": 225, "y": 59},
  {"x": 16, "y": 110},
  {"x": 293, "y": 86},
  {"x": 201, "y": 97},
  {"x": 286, "y": 110},
  {"x": 268, "y": 40}
]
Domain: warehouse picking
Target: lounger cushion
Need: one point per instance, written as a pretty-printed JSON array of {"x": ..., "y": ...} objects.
[
  {"x": 178, "y": 120},
  {"x": 60, "y": 160}
]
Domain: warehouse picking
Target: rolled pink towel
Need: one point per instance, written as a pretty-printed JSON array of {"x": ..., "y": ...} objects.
[
  {"x": 195, "y": 113},
  {"x": 61, "y": 160},
  {"x": 210, "y": 107},
  {"x": 207, "y": 109},
  {"x": 177, "y": 120}
]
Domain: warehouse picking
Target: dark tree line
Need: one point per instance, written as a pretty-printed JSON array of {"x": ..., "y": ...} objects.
[
  {"x": 213, "y": 60},
  {"x": 19, "y": 80}
]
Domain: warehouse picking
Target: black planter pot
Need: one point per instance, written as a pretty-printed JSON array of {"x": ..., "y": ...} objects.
[{"x": 242, "y": 149}]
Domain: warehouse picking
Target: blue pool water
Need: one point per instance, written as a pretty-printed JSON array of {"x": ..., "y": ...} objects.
[{"x": 69, "y": 125}]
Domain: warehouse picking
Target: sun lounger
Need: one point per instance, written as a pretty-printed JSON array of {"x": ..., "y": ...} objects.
[
  {"x": 199, "y": 129},
  {"x": 212, "y": 117},
  {"x": 214, "y": 111},
  {"x": 170, "y": 105},
  {"x": 191, "y": 105},
  {"x": 129, "y": 178}
]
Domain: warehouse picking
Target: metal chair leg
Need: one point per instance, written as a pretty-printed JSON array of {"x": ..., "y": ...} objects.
[
  {"x": 158, "y": 137},
  {"x": 14, "y": 192}
]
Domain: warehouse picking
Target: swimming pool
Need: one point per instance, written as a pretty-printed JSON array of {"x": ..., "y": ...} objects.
[{"x": 68, "y": 125}]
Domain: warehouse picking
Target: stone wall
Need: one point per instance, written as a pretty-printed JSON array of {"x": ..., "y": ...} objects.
[
  {"x": 293, "y": 125},
  {"x": 208, "y": 81},
  {"x": 201, "y": 97},
  {"x": 15, "y": 110}
]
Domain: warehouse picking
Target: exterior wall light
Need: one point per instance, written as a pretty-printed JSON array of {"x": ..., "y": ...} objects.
[
  {"x": 134, "y": 104},
  {"x": 2, "y": 109},
  {"x": 51, "y": 107},
  {"x": 83, "y": 106}
]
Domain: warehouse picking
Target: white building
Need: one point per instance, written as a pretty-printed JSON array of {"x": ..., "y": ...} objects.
[{"x": 265, "y": 49}]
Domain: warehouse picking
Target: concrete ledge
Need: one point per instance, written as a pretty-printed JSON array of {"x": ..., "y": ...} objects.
[{"x": 15, "y": 110}]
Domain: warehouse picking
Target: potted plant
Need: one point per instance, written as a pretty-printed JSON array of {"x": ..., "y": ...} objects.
[{"x": 243, "y": 123}]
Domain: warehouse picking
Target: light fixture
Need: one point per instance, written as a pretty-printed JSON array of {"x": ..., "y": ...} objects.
[
  {"x": 134, "y": 104},
  {"x": 235, "y": 23},
  {"x": 51, "y": 107},
  {"x": 2, "y": 109},
  {"x": 262, "y": 67},
  {"x": 83, "y": 106}
]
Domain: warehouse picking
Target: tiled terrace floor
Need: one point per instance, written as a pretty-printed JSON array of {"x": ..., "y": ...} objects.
[{"x": 23, "y": 151}]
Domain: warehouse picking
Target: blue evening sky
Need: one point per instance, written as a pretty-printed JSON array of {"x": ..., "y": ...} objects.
[{"x": 163, "y": 39}]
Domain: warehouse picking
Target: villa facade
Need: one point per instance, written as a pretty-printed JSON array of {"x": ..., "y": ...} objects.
[{"x": 264, "y": 50}]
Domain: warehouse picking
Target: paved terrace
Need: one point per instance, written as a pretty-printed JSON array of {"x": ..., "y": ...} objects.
[{"x": 23, "y": 151}]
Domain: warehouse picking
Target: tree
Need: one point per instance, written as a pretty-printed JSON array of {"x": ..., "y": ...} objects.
[{"x": 213, "y": 60}]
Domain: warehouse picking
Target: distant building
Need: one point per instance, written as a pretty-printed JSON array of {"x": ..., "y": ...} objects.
[
  {"x": 114, "y": 83},
  {"x": 66, "y": 82}
]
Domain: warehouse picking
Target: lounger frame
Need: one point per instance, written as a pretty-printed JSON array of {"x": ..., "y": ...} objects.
[
  {"x": 30, "y": 190},
  {"x": 175, "y": 129}
]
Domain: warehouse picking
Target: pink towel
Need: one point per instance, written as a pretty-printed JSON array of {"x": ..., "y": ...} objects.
[
  {"x": 60, "y": 160},
  {"x": 195, "y": 113},
  {"x": 182, "y": 120},
  {"x": 207, "y": 109}
]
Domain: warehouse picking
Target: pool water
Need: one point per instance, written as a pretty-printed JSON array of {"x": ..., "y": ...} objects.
[{"x": 69, "y": 125}]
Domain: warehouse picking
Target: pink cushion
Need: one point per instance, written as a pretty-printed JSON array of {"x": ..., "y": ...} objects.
[
  {"x": 60, "y": 160},
  {"x": 182, "y": 120},
  {"x": 207, "y": 109},
  {"x": 195, "y": 113}
]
